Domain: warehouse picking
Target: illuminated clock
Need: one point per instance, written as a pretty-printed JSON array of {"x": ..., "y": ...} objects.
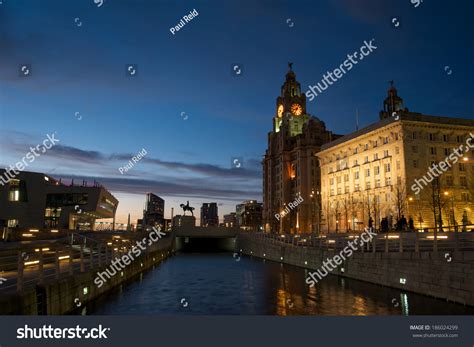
[
  {"x": 280, "y": 110},
  {"x": 296, "y": 109}
]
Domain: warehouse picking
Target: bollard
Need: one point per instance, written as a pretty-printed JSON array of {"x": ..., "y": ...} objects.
[
  {"x": 19, "y": 280},
  {"x": 82, "y": 257},
  {"x": 40, "y": 267}
]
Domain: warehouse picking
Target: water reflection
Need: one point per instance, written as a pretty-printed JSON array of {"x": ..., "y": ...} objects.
[{"x": 216, "y": 284}]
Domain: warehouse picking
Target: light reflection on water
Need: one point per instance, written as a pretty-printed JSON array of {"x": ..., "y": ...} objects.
[{"x": 217, "y": 284}]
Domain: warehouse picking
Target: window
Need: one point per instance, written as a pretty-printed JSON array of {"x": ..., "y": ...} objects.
[
  {"x": 376, "y": 156},
  {"x": 356, "y": 175},
  {"x": 377, "y": 183},
  {"x": 432, "y": 137},
  {"x": 459, "y": 138},
  {"x": 346, "y": 189},
  {"x": 414, "y": 149},
  {"x": 446, "y": 151},
  {"x": 398, "y": 164},
  {"x": 445, "y": 138},
  {"x": 356, "y": 187},
  {"x": 397, "y": 150},
  {"x": 413, "y": 135},
  {"x": 338, "y": 179},
  {"x": 388, "y": 181},
  {"x": 339, "y": 190},
  {"x": 14, "y": 190},
  {"x": 387, "y": 167},
  {"x": 367, "y": 185},
  {"x": 331, "y": 181},
  {"x": 433, "y": 150},
  {"x": 462, "y": 167},
  {"x": 449, "y": 180},
  {"x": 12, "y": 223},
  {"x": 376, "y": 143},
  {"x": 366, "y": 146},
  {"x": 367, "y": 172},
  {"x": 463, "y": 181},
  {"x": 356, "y": 163},
  {"x": 346, "y": 177},
  {"x": 377, "y": 170},
  {"x": 366, "y": 159},
  {"x": 385, "y": 140},
  {"x": 465, "y": 196},
  {"x": 385, "y": 154},
  {"x": 415, "y": 163},
  {"x": 356, "y": 150}
]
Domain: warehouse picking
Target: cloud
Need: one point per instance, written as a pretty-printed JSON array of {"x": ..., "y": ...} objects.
[{"x": 178, "y": 188}]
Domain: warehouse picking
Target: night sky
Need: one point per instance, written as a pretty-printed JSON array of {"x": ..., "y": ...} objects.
[{"x": 78, "y": 87}]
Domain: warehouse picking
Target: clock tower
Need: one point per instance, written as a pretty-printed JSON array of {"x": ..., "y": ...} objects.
[
  {"x": 290, "y": 105},
  {"x": 290, "y": 166}
]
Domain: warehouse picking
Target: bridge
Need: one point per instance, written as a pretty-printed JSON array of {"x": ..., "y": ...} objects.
[{"x": 189, "y": 238}]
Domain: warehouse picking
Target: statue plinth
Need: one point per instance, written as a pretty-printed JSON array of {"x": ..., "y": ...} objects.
[{"x": 184, "y": 221}]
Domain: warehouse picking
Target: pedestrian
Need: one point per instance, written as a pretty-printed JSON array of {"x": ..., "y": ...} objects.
[
  {"x": 403, "y": 223},
  {"x": 411, "y": 224},
  {"x": 371, "y": 222}
]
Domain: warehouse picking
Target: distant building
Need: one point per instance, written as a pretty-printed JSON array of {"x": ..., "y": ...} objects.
[
  {"x": 230, "y": 220},
  {"x": 383, "y": 171},
  {"x": 154, "y": 213},
  {"x": 209, "y": 215},
  {"x": 184, "y": 221},
  {"x": 33, "y": 200},
  {"x": 249, "y": 215}
]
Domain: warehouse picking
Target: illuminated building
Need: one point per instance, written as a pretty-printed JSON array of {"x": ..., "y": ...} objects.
[
  {"x": 290, "y": 167},
  {"x": 372, "y": 173},
  {"x": 36, "y": 200}
]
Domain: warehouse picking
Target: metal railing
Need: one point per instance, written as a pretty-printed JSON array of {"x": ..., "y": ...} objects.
[
  {"x": 382, "y": 242},
  {"x": 39, "y": 262}
]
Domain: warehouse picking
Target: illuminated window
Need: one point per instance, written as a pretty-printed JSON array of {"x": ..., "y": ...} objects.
[
  {"x": 14, "y": 190},
  {"x": 12, "y": 223}
]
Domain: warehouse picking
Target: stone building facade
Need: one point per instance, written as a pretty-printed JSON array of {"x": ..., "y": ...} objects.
[{"x": 383, "y": 171}]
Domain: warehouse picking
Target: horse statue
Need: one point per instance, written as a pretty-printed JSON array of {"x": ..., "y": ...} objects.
[{"x": 187, "y": 208}]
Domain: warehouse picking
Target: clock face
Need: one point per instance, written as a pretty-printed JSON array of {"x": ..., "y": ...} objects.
[
  {"x": 296, "y": 109},
  {"x": 280, "y": 110}
]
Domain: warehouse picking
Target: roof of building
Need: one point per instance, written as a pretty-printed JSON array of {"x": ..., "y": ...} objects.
[{"x": 404, "y": 116}]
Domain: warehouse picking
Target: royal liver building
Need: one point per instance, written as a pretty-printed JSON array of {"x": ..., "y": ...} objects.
[{"x": 291, "y": 176}]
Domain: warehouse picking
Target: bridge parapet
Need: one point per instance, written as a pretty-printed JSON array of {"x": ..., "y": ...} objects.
[{"x": 205, "y": 232}]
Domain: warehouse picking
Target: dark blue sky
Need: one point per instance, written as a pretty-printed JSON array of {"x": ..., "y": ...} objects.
[{"x": 82, "y": 69}]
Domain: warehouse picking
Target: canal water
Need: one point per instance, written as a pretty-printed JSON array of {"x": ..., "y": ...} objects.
[{"x": 219, "y": 284}]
